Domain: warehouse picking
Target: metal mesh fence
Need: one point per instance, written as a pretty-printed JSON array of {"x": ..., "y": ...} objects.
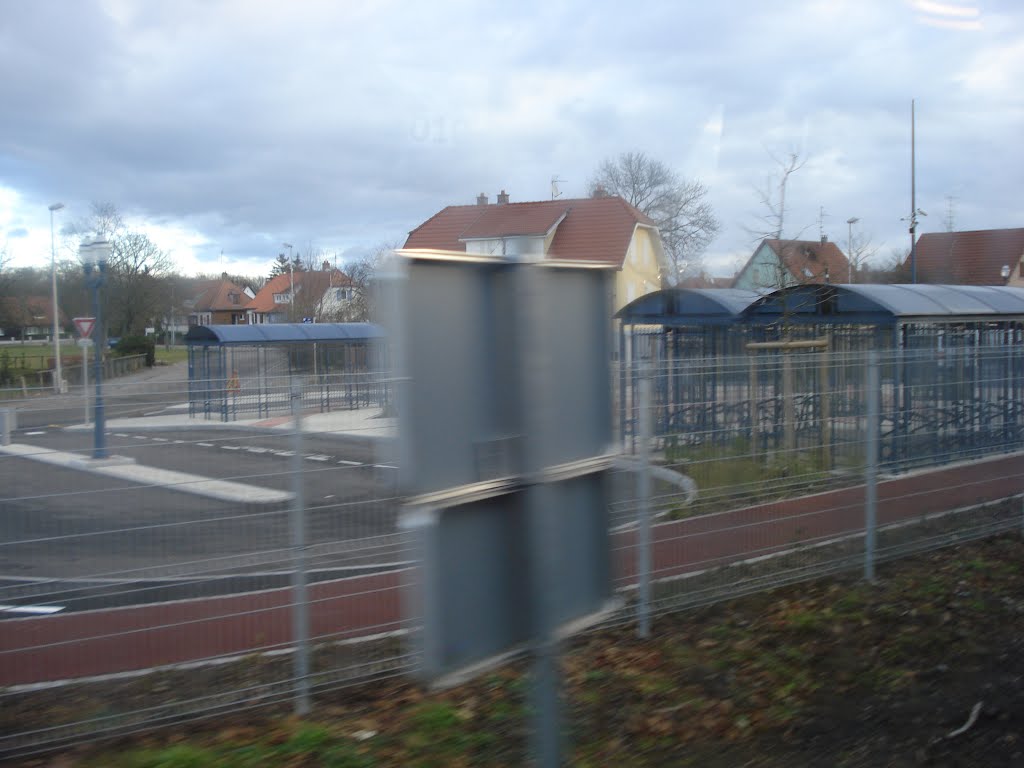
[{"x": 160, "y": 585}]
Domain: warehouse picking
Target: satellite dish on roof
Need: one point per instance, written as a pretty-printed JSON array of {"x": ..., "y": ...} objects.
[{"x": 555, "y": 181}]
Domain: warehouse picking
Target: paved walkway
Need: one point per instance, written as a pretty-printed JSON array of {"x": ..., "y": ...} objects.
[{"x": 362, "y": 424}]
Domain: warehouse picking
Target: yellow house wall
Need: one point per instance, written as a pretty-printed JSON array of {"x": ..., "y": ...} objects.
[{"x": 640, "y": 273}]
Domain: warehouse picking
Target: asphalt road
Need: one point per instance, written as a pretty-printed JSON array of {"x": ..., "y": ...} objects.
[
  {"x": 130, "y": 396},
  {"x": 81, "y": 541}
]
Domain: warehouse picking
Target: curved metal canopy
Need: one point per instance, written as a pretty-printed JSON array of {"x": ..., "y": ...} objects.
[
  {"x": 282, "y": 333},
  {"x": 887, "y": 304},
  {"x": 688, "y": 306}
]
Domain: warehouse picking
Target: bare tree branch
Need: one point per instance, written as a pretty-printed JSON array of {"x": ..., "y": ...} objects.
[
  {"x": 772, "y": 197},
  {"x": 680, "y": 208}
]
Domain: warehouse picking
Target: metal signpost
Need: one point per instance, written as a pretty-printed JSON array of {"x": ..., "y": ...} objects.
[
  {"x": 504, "y": 406},
  {"x": 85, "y": 326},
  {"x": 84, "y": 345}
]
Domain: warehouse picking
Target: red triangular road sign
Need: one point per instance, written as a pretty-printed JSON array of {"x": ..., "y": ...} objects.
[{"x": 85, "y": 326}]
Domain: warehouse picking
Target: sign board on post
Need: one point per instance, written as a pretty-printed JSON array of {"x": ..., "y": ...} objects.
[
  {"x": 85, "y": 326},
  {"x": 493, "y": 406}
]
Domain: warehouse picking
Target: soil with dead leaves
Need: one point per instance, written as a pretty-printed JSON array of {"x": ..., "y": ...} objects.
[{"x": 925, "y": 667}]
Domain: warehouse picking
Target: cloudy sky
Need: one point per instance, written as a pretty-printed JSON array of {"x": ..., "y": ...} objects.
[{"x": 225, "y": 128}]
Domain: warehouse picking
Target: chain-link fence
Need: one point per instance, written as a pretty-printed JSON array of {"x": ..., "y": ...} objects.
[{"x": 208, "y": 567}]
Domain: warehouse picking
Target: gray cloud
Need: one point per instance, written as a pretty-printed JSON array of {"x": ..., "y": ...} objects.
[{"x": 345, "y": 126}]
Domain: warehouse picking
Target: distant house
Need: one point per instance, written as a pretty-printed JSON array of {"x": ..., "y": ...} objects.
[
  {"x": 28, "y": 317},
  {"x": 314, "y": 296},
  {"x": 219, "y": 302},
  {"x": 601, "y": 228},
  {"x": 705, "y": 281},
  {"x": 781, "y": 263},
  {"x": 978, "y": 257}
]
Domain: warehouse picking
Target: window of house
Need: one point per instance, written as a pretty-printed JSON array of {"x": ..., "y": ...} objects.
[
  {"x": 282, "y": 298},
  {"x": 233, "y": 298}
]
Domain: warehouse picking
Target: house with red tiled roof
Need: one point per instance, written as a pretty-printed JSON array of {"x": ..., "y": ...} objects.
[
  {"x": 29, "y": 317},
  {"x": 781, "y": 263},
  {"x": 978, "y": 257},
  {"x": 315, "y": 296},
  {"x": 601, "y": 228},
  {"x": 219, "y": 302}
]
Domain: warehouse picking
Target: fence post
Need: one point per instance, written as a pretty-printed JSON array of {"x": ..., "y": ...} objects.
[
  {"x": 300, "y": 603},
  {"x": 643, "y": 607},
  {"x": 872, "y": 426}
]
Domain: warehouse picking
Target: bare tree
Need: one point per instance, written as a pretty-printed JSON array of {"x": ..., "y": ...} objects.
[
  {"x": 862, "y": 249},
  {"x": 679, "y": 207},
  {"x": 134, "y": 284},
  {"x": 360, "y": 272},
  {"x": 895, "y": 268},
  {"x": 772, "y": 197},
  {"x": 137, "y": 265}
]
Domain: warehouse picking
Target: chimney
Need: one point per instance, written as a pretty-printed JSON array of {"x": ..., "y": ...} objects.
[
  {"x": 481, "y": 199},
  {"x": 503, "y": 197},
  {"x": 327, "y": 266},
  {"x": 599, "y": 191},
  {"x": 223, "y": 275},
  {"x": 824, "y": 239}
]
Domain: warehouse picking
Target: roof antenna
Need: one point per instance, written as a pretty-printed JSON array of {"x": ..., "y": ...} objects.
[{"x": 555, "y": 181}]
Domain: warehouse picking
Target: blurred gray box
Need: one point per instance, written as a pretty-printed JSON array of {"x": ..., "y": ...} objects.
[
  {"x": 504, "y": 384},
  {"x": 8, "y": 423}
]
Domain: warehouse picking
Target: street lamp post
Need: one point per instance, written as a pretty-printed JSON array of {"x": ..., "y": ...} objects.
[
  {"x": 849, "y": 243},
  {"x": 291, "y": 280},
  {"x": 94, "y": 255},
  {"x": 58, "y": 377}
]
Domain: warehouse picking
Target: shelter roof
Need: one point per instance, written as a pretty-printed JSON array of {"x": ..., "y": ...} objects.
[
  {"x": 887, "y": 304},
  {"x": 282, "y": 333},
  {"x": 688, "y": 306}
]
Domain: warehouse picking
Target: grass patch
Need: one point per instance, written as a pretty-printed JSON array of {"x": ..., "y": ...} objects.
[{"x": 176, "y": 354}]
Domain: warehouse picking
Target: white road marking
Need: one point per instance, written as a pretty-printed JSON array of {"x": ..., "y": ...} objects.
[
  {"x": 35, "y": 433},
  {"x": 224, "y": 490},
  {"x": 139, "y": 437},
  {"x": 120, "y": 434},
  {"x": 351, "y": 463},
  {"x": 256, "y": 449},
  {"x": 384, "y": 466},
  {"x": 160, "y": 440},
  {"x": 318, "y": 457},
  {"x": 231, "y": 447},
  {"x": 206, "y": 445},
  {"x": 35, "y": 610}
]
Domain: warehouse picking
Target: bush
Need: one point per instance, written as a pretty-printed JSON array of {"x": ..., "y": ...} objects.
[{"x": 137, "y": 345}]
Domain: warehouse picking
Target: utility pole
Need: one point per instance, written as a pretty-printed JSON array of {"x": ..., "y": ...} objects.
[
  {"x": 914, "y": 210},
  {"x": 58, "y": 377},
  {"x": 291, "y": 279},
  {"x": 913, "y": 201}
]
